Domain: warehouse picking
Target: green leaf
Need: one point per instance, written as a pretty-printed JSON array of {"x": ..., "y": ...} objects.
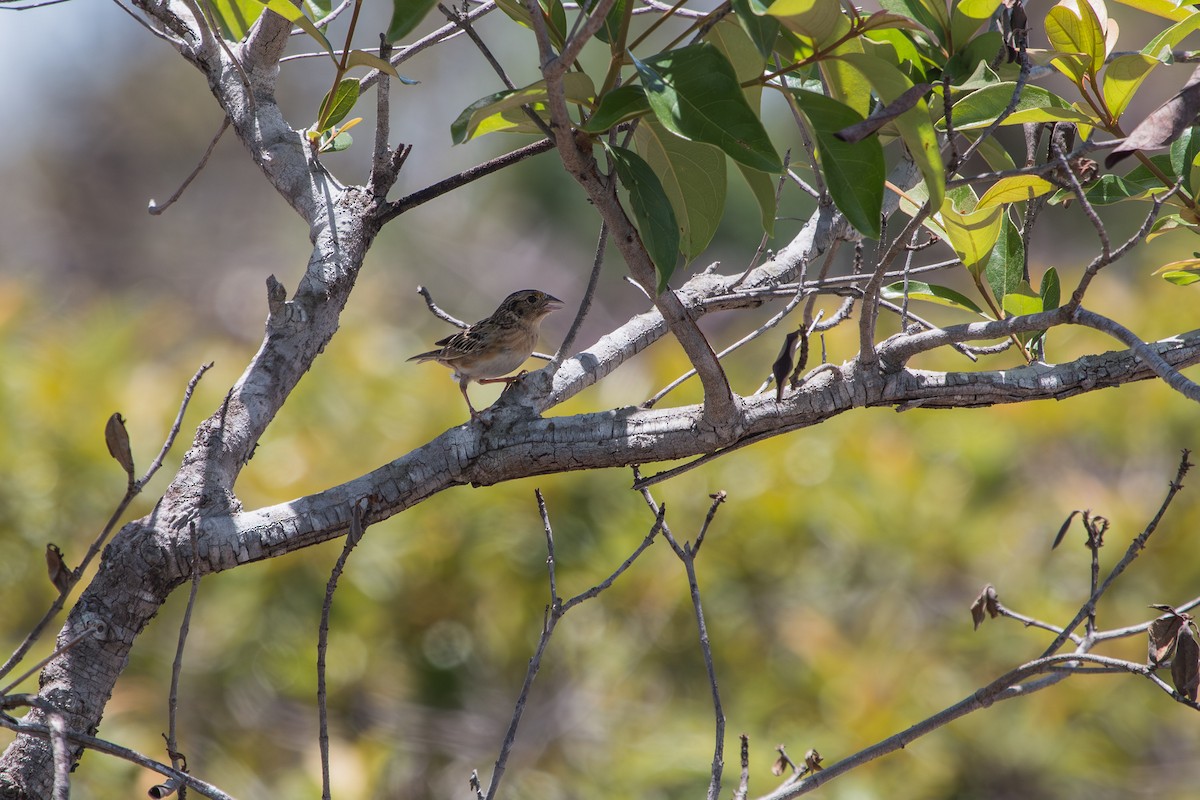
[
  {"x": 855, "y": 172},
  {"x": 235, "y": 17},
  {"x": 932, "y": 293},
  {"x": 739, "y": 50},
  {"x": 319, "y": 9},
  {"x": 692, "y": 175},
  {"x": 552, "y": 12},
  {"x": 344, "y": 98},
  {"x": 1122, "y": 77},
  {"x": 1006, "y": 265},
  {"x": 1050, "y": 290},
  {"x": 610, "y": 31},
  {"x": 361, "y": 58},
  {"x": 763, "y": 30},
  {"x": 1015, "y": 189},
  {"x": 655, "y": 219},
  {"x": 340, "y": 142},
  {"x": 695, "y": 94},
  {"x": 1184, "y": 152},
  {"x": 914, "y": 125},
  {"x": 819, "y": 21},
  {"x": 929, "y": 13},
  {"x": 972, "y": 232},
  {"x": 762, "y": 186},
  {"x": 966, "y": 18},
  {"x": 619, "y": 105},
  {"x": 1169, "y": 39},
  {"x": 1023, "y": 300},
  {"x": 1107, "y": 190},
  {"x": 406, "y": 16},
  {"x": 501, "y": 108},
  {"x": 1167, "y": 9},
  {"x": 1071, "y": 32},
  {"x": 979, "y": 109}
]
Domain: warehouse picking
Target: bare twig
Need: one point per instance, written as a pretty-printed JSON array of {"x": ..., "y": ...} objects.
[
  {"x": 353, "y": 536},
  {"x": 585, "y": 304},
  {"x": 1135, "y": 548},
  {"x": 156, "y": 209},
  {"x": 177, "y": 666}
]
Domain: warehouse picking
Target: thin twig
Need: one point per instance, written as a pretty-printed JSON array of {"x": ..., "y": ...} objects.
[
  {"x": 177, "y": 665},
  {"x": 1135, "y": 548},
  {"x": 353, "y": 536},
  {"x": 585, "y": 304},
  {"x": 156, "y": 209}
]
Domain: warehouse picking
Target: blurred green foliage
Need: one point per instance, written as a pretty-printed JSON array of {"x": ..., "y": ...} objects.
[{"x": 836, "y": 582}]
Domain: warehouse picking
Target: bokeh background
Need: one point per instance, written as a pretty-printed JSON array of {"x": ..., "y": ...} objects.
[{"x": 836, "y": 579}]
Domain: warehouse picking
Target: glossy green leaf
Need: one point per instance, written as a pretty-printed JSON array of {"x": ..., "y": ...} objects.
[
  {"x": 978, "y": 52},
  {"x": 1015, "y": 189},
  {"x": 931, "y": 293},
  {"x": 914, "y": 125},
  {"x": 472, "y": 121},
  {"x": 552, "y": 12},
  {"x": 762, "y": 29},
  {"x": 344, "y": 98},
  {"x": 620, "y": 105},
  {"x": 694, "y": 92},
  {"x": 1050, "y": 289},
  {"x": 692, "y": 175},
  {"x": 1006, "y": 265},
  {"x": 1171, "y": 222},
  {"x": 407, "y": 15},
  {"x": 651, "y": 209},
  {"x": 763, "y": 187},
  {"x": 854, "y": 173},
  {"x": 319, "y": 9},
  {"x": 1122, "y": 77}
]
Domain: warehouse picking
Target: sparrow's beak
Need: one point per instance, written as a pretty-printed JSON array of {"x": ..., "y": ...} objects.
[{"x": 553, "y": 303}]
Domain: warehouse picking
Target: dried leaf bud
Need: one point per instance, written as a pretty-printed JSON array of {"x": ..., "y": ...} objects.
[
  {"x": 1185, "y": 667},
  {"x": 987, "y": 602},
  {"x": 60, "y": 574},
  {"x": 812, "y": 760},
  {"x": 1162, "y": 634},
  {"x": 117, "y": 439}
]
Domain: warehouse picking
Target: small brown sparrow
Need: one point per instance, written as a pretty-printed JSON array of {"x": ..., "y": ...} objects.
[{"x": 497, "y": 345}]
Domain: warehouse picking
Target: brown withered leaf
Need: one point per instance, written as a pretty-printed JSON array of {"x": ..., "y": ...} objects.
[
  {"x": 60, "y": 574},
  {"x": 117, "y": 439},
  {"x": 1185, "y": 667},
  {"x": 1164, "y": 125},
  {"x": 987, "y": 602},
  {"x": 783, "y": 363},
  {"x": 812, "y": 760},
  {"x": 1163, "y": 632},
  {"x": 883, "y": 114},
  {"x": 1063, "y": 530},
  {"x": 780, "y": 765}
]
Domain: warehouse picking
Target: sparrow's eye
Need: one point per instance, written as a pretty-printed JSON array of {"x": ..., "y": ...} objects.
[{"x": 531, "y": 299}]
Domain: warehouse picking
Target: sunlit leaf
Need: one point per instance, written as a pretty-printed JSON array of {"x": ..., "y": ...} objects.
[
  {"x": 1015, "y": 189},
  {"x": 1123, "y": 75},
  {"x": 821, "y": 21},
  {"x": 471, "y": 122},
  {"x": 361, "y": 58},
  {"x": 344, "y": 98},
  {"x": 762, "y": 29},
  {"x": 967, "y": 16},
  {"x": 1006, "y": 264},
  {"x": 235, "y": 17},
  {"x": 1070, "y": 31},
  {"x": 972, "y": 232}
]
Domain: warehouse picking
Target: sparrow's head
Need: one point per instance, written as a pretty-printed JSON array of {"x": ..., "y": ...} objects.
[{"x": 529, "y": 304}]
